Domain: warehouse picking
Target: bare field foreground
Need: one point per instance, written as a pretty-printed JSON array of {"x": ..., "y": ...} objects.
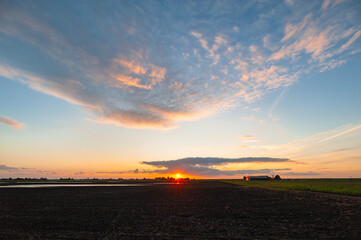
[{"x": 194, "y": 210}]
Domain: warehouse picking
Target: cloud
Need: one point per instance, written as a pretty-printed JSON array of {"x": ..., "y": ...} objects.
[
  {"x": 289, "y": 2},
  {"x": 331, "y": 65},
  {"x": 325, "y": 4},
  {"x": 6, "y": 168},
  {"x": 12, "y": 123},
  {"x": 317, "y": 39},
  {"x": 246, "y": 137},
  {"x": 312, "y": 41},
  {"x": 124, "y": 66},
  {"x": 310, "y": 173},
  {"x": 290, "y": 29},
  {"x": 151, "y": 75},
  {"x": 319, "y": 147},
  {"x": 206, "y": 166},
  {"x": 341, "y": 133},
  {"x": 350, "y": 41},
  {"x": 330, "y": 3},
  {"x": 24, "y": 172},
  {"x": 125, "y": 172}
]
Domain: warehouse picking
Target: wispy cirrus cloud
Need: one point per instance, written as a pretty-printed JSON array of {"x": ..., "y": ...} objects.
[
  {"x": 125, "y": 66},
  {"x": 12, "y": 123},
  {"x": 319, "y": 147},
  {"x": 341, "y": 133}
]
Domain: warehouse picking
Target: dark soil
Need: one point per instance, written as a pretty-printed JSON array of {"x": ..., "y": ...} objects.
[{"x": 198, "y": 210}]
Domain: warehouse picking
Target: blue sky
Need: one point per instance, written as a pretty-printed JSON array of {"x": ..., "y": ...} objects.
[{"x": 90, "y": 88}]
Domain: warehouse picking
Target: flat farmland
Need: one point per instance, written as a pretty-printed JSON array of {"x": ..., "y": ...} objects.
[
  {"x": 341, "y": 186},
  {"x": 195, "y": 210}
]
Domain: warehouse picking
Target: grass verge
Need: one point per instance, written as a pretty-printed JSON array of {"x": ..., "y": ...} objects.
[{"x": 341, "y": 186}]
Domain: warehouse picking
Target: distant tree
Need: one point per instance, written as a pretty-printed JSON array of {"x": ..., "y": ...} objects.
[{"x": 277, "y": 177}]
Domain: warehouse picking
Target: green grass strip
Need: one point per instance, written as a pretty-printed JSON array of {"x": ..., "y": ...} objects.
[{"x": 341, "y": 186}]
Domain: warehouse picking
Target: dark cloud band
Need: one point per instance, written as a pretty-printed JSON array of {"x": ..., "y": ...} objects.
[{"x": 204, "y": 166}]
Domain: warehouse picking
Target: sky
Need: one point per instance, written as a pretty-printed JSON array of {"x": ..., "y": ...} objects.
[{"x": 204, "y": 89}]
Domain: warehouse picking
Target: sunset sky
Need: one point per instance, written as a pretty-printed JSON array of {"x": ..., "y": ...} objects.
[{"x": 206, "y": 89}]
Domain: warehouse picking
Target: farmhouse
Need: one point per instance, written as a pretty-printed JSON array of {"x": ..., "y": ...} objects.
[{"x": 252, "y": 178}]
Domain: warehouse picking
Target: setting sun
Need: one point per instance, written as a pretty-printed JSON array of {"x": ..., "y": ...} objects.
[{"x": 178, "y": 175}]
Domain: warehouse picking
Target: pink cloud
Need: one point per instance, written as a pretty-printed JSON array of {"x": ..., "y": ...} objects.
[
  {"x": 12, "y": 123},
  {"x": 290, "y": 29},
  {"x": 131, "y": 81},
  {"x": 136, "y": 73},
  {"x": 350, "y": 41}
]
